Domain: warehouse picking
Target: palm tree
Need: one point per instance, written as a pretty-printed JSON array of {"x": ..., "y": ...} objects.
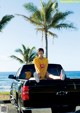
[
  {"x": 46, "y": 18},
  {"x": 27, "y": 54},
  {"x": 4, "y": 21}
]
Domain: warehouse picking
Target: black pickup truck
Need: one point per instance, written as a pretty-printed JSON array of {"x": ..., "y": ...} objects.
[{"x": 59, "y": 95}]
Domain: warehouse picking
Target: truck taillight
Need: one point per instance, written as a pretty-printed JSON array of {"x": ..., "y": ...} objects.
[{"x": 25, "y": 93}]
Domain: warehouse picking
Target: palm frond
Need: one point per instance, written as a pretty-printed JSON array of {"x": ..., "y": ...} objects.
[
  {"x": 25, "y": 58},
  {"x": 55, "y": 5},
  {"x": 30, "y": 19},
  {"x": 24, "y": 48},
  {"x": 43, "y": 4},
  {"x": 30, "y": 7},
  {"x": 32, "y": 51},
  {"x": 50, "y": 9},
  {"x": 52, "y": 34},
  {"x": 19, "y": 51},
  {"x": 49, "y": 2},
  {"x": 5, "y": 20},
  {"x": 37, "y": 17},
  {"x": 40, "y": 29},
  {"x": 26, "y": 54},
  {"x": 32, "y": 56},
  {"x": 64, "y": 25},
  {"x": 35, "y": 22},
  {"x": 59, "y": 16},
  {"x": 17, "y": 58},
  {"x": 25, "y": 17},
  {"x": 49, "y": 12}
]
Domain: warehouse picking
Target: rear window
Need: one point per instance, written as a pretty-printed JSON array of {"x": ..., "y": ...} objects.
[{"x": 52, "y": 69}]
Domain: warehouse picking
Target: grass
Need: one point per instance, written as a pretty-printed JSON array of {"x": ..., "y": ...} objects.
[{"x": 4, "y": 95}]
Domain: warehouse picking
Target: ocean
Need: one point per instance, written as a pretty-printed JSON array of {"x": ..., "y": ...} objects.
[{"x": 5, "y": 82}]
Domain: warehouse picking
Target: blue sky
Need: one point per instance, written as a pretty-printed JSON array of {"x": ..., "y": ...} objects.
[{"x": 63, "y": 50}]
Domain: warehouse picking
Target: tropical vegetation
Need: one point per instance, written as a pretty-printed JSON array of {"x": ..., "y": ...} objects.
[
  {"x": 4, "y": 21},
  {"x": 47, "y": 18},
  {"x": 26, "y": 54}
]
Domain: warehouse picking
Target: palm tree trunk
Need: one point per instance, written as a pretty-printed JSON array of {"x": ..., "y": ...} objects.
[{"x": 46, "y": 43}]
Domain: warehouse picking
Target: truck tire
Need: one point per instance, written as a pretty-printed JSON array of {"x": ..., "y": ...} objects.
[{"x": 12, "y": 100}]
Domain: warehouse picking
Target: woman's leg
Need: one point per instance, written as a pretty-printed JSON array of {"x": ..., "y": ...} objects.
[
  {"x": 51, "y": 76},
  {"x": 36, "y": 76}
]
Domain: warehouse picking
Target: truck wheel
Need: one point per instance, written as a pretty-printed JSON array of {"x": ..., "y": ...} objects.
[{"x": 12, "y": 100}]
